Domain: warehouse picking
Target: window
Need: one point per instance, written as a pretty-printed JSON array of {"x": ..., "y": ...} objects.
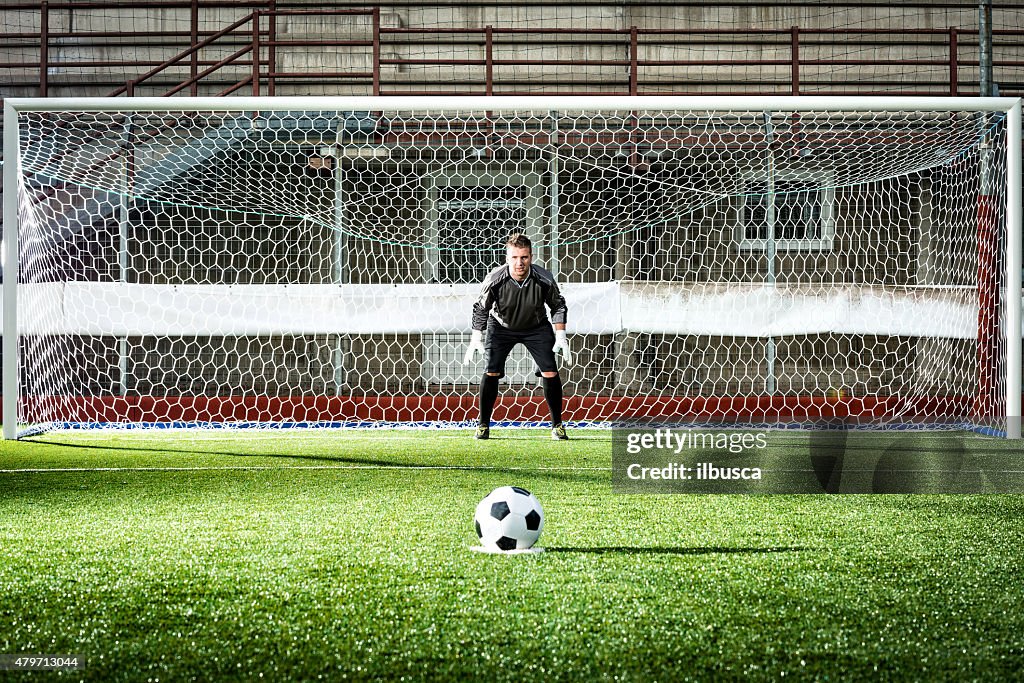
[
  {"x": 803, "y": 212},
  {"x": 472, "y": 226}
]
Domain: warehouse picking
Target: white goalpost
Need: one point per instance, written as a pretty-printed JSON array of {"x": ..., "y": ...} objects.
[{"x": 277, "y": 262}]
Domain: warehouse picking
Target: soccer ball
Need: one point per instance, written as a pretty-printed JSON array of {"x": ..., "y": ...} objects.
[{"x": 509, "y": 518}]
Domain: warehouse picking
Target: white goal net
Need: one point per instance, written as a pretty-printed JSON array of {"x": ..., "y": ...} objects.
[{"x": 314, "y": 261}]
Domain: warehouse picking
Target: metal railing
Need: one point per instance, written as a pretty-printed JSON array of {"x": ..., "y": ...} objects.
[
  {"x": 257, "y": 44},
  {"x": 946, "y": 41},
  {"x": 260, "y": 40}
]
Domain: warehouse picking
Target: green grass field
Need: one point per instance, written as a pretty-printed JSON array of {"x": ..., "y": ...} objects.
[{"x": 345, "y": 555}]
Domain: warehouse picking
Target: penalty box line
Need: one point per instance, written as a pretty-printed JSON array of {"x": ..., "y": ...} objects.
[{"x": 214, "y": 468}]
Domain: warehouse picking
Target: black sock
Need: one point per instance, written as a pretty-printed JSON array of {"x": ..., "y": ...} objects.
[
  {"x": 488, "y": 395},
  {"x": 553, "y": 395}
]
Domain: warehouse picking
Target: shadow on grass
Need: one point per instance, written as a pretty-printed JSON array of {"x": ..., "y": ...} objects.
[
  {"x": 342, "y": 461},
  {"x": 231, "y": 454},
  {"x": 710, "y": 550}
]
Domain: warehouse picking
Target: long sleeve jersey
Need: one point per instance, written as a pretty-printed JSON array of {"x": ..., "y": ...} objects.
[{"x": 515, "y": 305}]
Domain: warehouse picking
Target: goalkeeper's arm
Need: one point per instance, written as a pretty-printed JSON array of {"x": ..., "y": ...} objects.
[
  {"x": 559, "y": 313},
  {"x": 476, "y": 345},
  {"x": 481, "y": 306},
  {"x": 562, "y": 344}
]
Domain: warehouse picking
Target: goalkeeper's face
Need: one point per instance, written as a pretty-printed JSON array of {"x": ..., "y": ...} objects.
[{"x": 519, "y": 259}]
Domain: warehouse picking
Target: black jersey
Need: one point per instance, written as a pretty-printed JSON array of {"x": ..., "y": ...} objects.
[{"x": 515, "y": 305}]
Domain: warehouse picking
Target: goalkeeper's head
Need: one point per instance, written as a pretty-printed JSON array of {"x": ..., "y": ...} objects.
[{"x": 519, "y": 255}]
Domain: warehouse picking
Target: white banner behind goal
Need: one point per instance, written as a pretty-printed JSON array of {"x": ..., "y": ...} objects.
[
  {"x": 314, "y": 261},
  {"x": 606, "y": 308}
]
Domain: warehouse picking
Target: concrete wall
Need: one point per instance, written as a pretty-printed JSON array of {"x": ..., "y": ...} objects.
[{"x": 737, "y": 43}]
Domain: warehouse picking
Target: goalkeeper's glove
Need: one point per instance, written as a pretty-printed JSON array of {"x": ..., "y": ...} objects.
[
  {"x": 562, "y": 345},
  {"x": 476, "y": 344}
]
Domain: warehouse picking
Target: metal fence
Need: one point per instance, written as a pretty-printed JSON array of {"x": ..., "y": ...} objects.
[{"x": 490, "y": 59}]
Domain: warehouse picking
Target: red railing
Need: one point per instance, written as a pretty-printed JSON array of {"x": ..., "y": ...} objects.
[
  {"x": 259, "y": 39},
  {"x": 258, "y": 44},
  {"x": 636, "y": 38}
]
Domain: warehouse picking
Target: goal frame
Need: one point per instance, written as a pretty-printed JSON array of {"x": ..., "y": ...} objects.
[{"x": 1011, "y": 107}]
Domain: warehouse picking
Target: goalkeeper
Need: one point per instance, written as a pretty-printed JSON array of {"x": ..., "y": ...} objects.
[{"x": 511, "y": 310}]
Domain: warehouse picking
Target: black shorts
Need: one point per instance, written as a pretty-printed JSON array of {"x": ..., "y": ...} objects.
[{"x": 500, "y": 341}]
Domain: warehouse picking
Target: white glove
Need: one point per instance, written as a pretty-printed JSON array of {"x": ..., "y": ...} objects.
[
  {"x": 476, "y": 344},
  {"x": 562, "y": 345}
]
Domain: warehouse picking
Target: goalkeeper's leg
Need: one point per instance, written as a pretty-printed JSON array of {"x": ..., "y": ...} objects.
[
  {"x": 553, "y": 397},
  {"x": 488, "y": 396},
  {"x": 539, "y": 343},
  {"x": 497, "y": 345}
]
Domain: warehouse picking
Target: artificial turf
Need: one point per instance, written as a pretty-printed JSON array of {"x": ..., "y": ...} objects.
[{"x": 345, "y": 555}]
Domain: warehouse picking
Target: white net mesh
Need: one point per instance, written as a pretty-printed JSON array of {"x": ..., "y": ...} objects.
[{"x": 317, "y": 267}]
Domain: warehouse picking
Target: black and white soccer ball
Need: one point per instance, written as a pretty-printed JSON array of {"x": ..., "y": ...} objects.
[{"x": 509, "y": 518}]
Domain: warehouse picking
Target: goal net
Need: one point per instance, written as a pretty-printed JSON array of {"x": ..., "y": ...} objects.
[{"x": 314, "y": 261}]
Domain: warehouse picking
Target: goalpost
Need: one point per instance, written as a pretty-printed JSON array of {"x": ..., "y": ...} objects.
[{"x": 313, "y": 261}]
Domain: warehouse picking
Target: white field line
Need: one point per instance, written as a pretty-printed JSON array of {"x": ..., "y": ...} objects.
[{"x": 43, "y": 470}]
